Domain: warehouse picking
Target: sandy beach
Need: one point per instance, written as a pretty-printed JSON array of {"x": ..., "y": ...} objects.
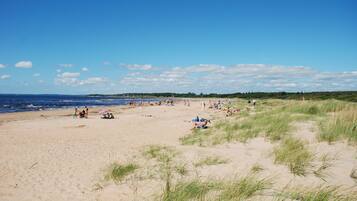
[{"x": 49, "y": 155}]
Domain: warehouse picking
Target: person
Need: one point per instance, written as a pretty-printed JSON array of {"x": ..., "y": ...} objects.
[
  {"x": 82, "y": 114},
  {"x": 86, "y": 112},
  {"x": 201, "y": 124},
  {"x": 75, "y": 112},
  {"x": 254, "y": 102}
]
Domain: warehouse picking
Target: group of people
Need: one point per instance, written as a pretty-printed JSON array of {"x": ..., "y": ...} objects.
[
  {"x": 82, "y": 114},
  {"x": 107, "y": 115},
  {"x": 200, "y": 122}
]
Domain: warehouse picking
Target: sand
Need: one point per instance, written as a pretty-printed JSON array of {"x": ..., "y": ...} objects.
[{"x": 49, "y": 155}]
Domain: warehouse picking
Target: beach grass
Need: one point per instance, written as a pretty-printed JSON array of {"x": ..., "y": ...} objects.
[
  {"x": 211, "y": 160},
  {"x": 192, "y": 190},
  {"x": 224, "y": 190},
  {"x": 256, "y": 168},
  {"x": 341, "y": 125},
  {"x": 273, "y": 120},
  {"x": 321, "y": 193},
  {"x": 244, "y": 188},
  {"x": 117, "y": 172},
  {"x": 293, "y": 153}
]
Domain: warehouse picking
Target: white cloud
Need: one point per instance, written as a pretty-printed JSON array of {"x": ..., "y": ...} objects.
[
  {"x": 3, "y": 77},
  {"x": 72, "y": 79},
  {"x": 23, "y": 64},
  {"x": 36, "y": 74},
  {"x": 58, "y": 70},
  {"x": 68, "y": 75},
  {"x": 65, "y": 65},
  {"x": 241, "y": 77},
  {"x": 84, "y": 69},
  {"x": 2, "y": 65},
  {"x": 138, "y": 66},
  {"x": 92, "y": 80}
]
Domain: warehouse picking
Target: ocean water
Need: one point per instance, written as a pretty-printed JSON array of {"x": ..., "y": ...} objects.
[{"x": 19, "y": 103}]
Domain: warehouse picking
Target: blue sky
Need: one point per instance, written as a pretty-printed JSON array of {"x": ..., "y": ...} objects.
[{"x": 79, "y": 47}]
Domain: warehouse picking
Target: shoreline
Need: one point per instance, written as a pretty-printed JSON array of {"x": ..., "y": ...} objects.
[{"x": 58, "y": 112}]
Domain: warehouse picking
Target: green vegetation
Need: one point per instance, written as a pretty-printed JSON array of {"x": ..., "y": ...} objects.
[
  {"x": 211, "y": 160},
  {"x": 338, "y": 95},
  {"x": 273, "y": 119},
  {"x": 165, "y": 157},
  {"x": 181, "y": 169},
  {"x": 256, "y": 168},
  {"x": 244, "y": 188},
  {"x": 118, "y": 172},
  {"x": 294, "y": 154},
  {"x": 328, "y": 193},
  {"x": 193, "y": 190},
  {"x": 240, "y": 189},
  {"x": 340, "y": 125},
  {"x": 159, "y": 152}
]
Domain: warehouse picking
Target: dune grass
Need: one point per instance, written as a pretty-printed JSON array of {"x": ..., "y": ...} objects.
[
  {"x": 159, "y": 152},
  {"x": 322, "y": 193},
  {"x": 293, "y": 153},
  {"x": 192, "y": 190},
  {"x": 167, "y": 166},
  {"x": 256, "y": 168},
  {"x": 273, "y": 118},
  {"x": 211, "y": 160},
  {"x": 118, "y": 172},
  {"x": 243, "y": 188},
  {"x": 341, "y": 125},
  {"x": 232, "y": 190}
]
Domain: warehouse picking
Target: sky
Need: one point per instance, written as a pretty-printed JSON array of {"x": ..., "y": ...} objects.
[{"x": 209, "y": 46}]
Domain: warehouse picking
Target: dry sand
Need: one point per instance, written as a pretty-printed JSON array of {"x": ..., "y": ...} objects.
[{"x": 49, "y": 155}]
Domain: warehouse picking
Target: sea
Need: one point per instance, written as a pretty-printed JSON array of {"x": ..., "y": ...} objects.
[{"x": 20, "y": 103}]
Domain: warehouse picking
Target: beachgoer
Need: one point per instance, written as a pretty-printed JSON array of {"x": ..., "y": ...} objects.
[
  {"x": 86, "y": 112},
  {"x": 75, "y": 112},
  {"x": 82, "y": 114}
]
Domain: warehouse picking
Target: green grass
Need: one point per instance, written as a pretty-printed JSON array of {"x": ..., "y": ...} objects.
[
  {"x": 233, "y": 190},
  {"x": 244, "y": 188},
  {"x": 193, "y": 190},
  {"x": 118, "y": 172},
  {"x": 211, "y": 160},
  {"x": 198, "y": 136},
  {"x": 256, "y": 168},
  {"x": 273, "y": 119},
  {"x": 294, "y": 154},
  {"x": 342, "y": 125},
  {"x": 327, "y": 193},
  {"x": 181, "y": 169},
  {"x": 159, "y": 152},
  {"x": 167, "y": 166}
]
